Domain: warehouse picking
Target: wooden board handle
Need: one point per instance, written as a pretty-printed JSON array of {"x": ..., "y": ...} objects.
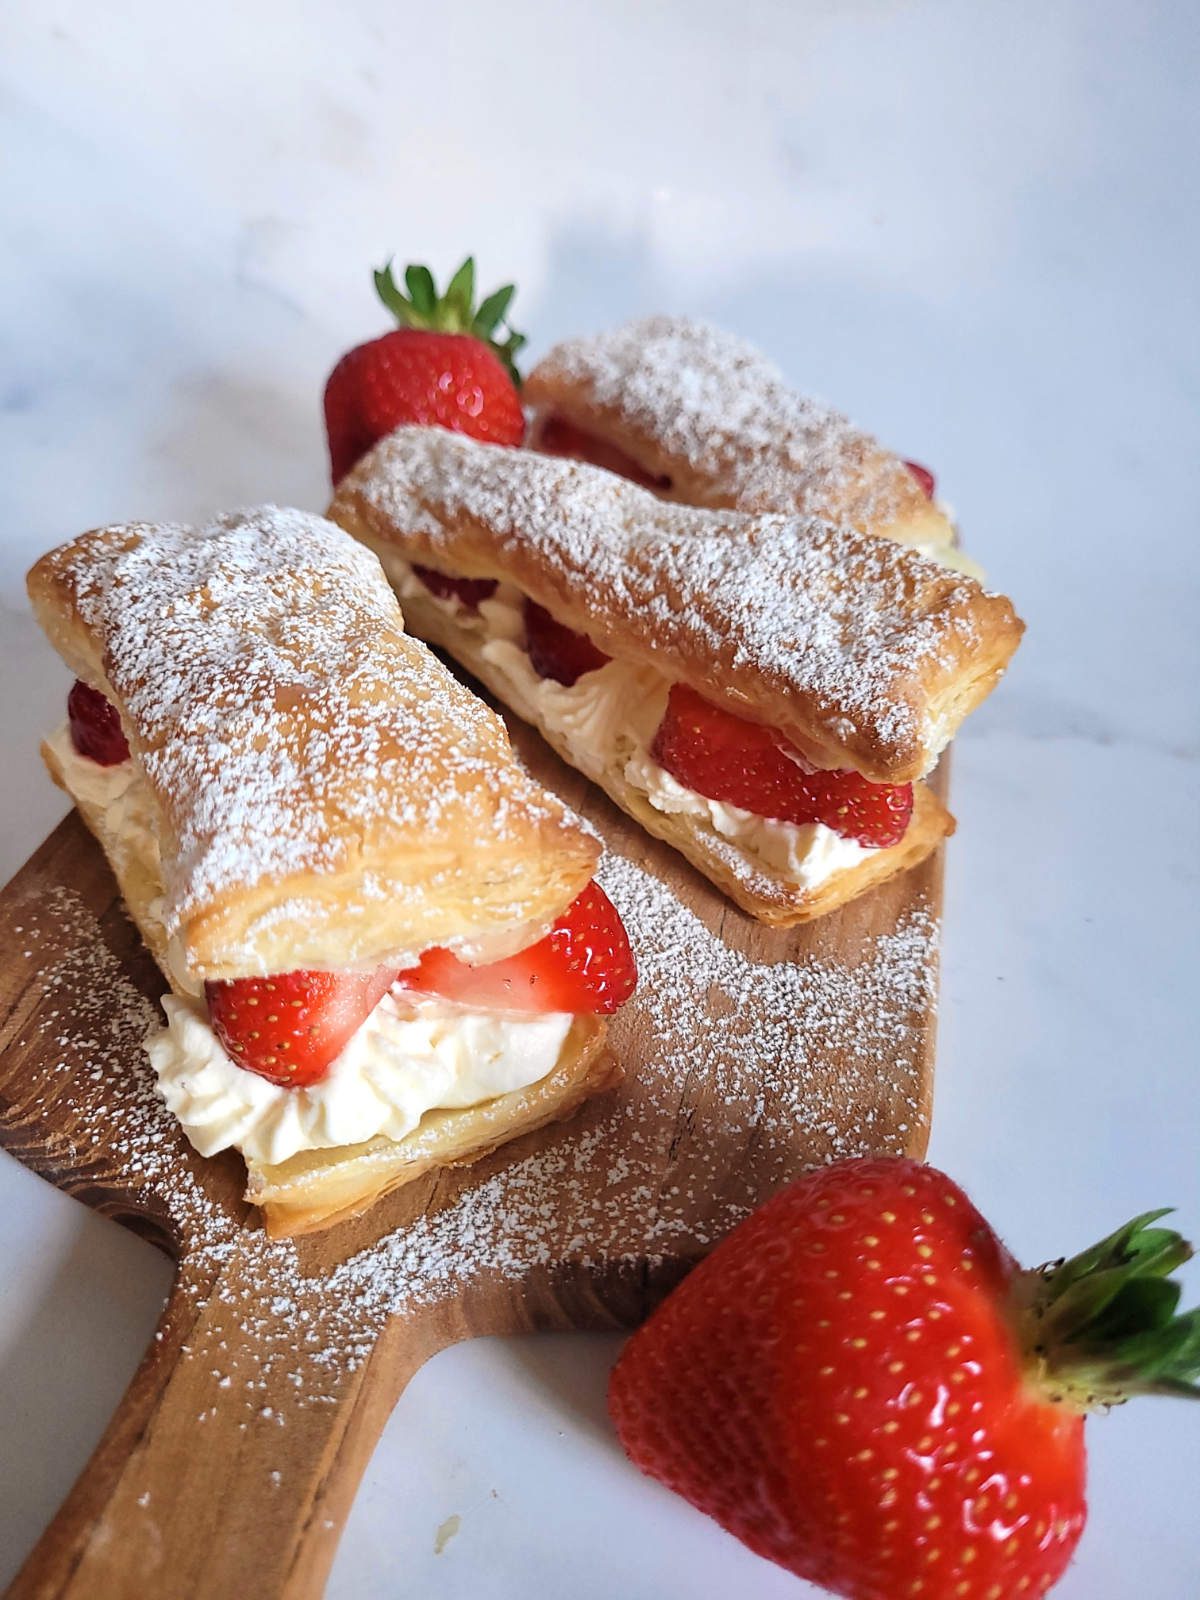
[{"x": 221, "y": 1474}]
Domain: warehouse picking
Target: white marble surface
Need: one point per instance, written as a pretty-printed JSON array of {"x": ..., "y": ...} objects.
[{"x": 975, "y": 227}]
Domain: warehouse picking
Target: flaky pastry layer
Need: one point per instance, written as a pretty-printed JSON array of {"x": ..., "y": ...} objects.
[
  {"x": 746, "y": 880},
  {"x": 134, "y": 868},
  {"x": 326, "y": 793},
  {"x": 320, "y": 1187},
  {"x": 314, "y": 1189},
  {"x": 710, "y": 414},
  {"x": 862, "y": 652}
]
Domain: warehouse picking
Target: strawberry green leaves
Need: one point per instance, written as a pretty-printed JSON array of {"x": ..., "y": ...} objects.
[
  {"x": 1103, "y": 1325},
  {"x": 453, "y": 311}
]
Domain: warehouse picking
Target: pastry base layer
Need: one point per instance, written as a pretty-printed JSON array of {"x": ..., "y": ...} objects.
[
  {"x": 316, "y": 1188},
  {"x": 746, "y": 881}
]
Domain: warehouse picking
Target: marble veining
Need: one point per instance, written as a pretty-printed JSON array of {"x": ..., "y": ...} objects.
[{"x": 972, "y": 228}]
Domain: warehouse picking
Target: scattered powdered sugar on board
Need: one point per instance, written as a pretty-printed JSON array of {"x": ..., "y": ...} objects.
[
  {"x": 726, "y": 1044},
  {"x": 91, "y": 1021},
  {"x": 714, "y": 405},
  {"x": 721, "y": 1031}
]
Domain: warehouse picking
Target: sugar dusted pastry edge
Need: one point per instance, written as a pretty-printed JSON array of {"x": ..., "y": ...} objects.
[
  {"x": 699, "y": 406},
  {"x": 920, "y": 524},
  {"x": 317, "y": 1188}
]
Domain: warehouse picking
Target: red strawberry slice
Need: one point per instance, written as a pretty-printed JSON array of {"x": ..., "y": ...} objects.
[
  {"x": 924, "y": 477},
  {"x": 289, "y": 1028},
  {"x": 555, "y": 650},
  {"x": 862, "y": 1384},
  {"x": 584, "y": 964},
  {"x": 467, "y": 591},
  {"x": 744, "y": 764},
  {"x": 558, "y": 437},
  {"x": 96, "y": 730},
  {"x": 445, "y": 366}
]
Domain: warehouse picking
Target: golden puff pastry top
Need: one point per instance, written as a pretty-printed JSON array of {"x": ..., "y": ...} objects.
[
  {"x": 705, "y": 409},
  {"x": 328, "y": 795},
  {"x": 864, "y": 653}
]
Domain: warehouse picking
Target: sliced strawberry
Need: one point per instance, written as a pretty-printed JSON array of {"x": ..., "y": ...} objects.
[
  {"x": 558, "y": 437},
  {"x": 744, "y": 764},
  {"x": 95, "y": 726},
  {"x": 469, "y": 592},
  {"x": 290, "y": 1027},
  {"x": 584, "y": 964},
  {"x": 557, "y": 652},
  {"x": 924, "y": 477}
]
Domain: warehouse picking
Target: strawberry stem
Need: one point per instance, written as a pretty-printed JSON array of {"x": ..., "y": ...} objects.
[
  {"x": 453, "y": 311},
  {"x": 1103, "y": 1326}
]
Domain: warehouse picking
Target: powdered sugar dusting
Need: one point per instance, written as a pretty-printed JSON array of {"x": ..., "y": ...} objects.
[
  {"x": 714, "y": 404},
  {"x": 739, "y": 1073},
  {"x": 848, "y": 638},
  {"x": 90, "y": 1024},
  {"x": 283, "y": 720},
  {"x": 728, "y": 1045}
]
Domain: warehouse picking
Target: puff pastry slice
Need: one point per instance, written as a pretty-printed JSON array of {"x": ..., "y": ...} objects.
[
  {"x": 860, "y": 653},
  {"x": 307, "y": 787},
  {"x": 704, "y": 418}
]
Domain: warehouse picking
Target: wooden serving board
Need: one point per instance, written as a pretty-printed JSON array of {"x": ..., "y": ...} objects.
[{"x": 232, "y": 1461}]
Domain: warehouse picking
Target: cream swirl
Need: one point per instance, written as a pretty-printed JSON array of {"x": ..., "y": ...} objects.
[{"x": 410, "y": 1056}]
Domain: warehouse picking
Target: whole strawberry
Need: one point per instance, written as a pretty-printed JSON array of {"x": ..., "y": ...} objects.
[
  {"x": 863, "y": 1385},
  {"x": 445, "y": 366}
]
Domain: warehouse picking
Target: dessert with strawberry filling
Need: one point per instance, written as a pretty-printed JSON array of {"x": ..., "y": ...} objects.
[
  {"x": 555, "y": 436},
  {"x": 702, "y": 417},
  {"x": 764, "y": 693},
  {"x": 385, "y": 948}
]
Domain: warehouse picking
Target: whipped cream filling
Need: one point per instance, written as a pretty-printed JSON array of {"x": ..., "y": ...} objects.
[
  {"x": 119, "y": 789},
  {"x": 608, "y": 719},
  {"x": 804, "y": 854},
  {"x": 121, "y": 792},
  {"x": 412, "y": 1055},
  {"x": 951, "y": 557}
]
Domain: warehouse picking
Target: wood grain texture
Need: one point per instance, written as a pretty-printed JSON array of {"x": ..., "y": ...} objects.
[{"x": 231, "y": 1464}]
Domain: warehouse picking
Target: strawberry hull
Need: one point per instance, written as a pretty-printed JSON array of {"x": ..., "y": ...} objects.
[{"x": 446, "y": 366}]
